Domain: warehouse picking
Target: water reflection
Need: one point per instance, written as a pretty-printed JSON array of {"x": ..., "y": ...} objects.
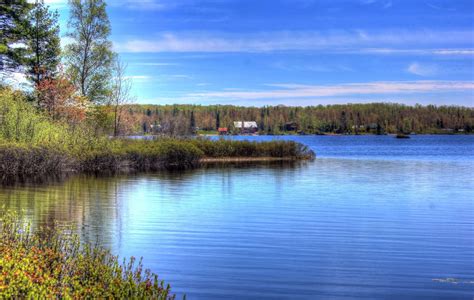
[{"x": 332, "y": 228}]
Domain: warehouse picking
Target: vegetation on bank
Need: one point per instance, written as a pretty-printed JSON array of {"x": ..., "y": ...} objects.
[
  {"x": 274, "y": 149},
  {"x": 51, "y": 263},
  {"x": 34, "y": 145}
]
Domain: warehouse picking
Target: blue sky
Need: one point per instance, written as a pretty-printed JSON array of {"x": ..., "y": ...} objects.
[{"x": 295, "y": 52}]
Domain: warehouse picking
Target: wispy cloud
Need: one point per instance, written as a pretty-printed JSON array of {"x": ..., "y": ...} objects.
[
  {"x": 385, "y": 4},
  {"x": 422, "y": 70},
  {"x": 299, "y": 40},
  {"x": 311, "y": 67},
  {"x": 154, "y": 64},
  {"x": 180, "y": 76},
  {"x": 140, "y": 78},
  {"x": 393, "y": 51},
  {"x": 129, "y": 4},
  {"x": 143, "y": 4},
  {"x": 295, "y": 91}
]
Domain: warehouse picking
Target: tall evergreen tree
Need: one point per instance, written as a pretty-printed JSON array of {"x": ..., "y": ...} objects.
[
  {"x": 218, "y": 120},
  {"x": 14, "y": 25},
  {"x": 192, "y": 123},
  {"x": 43, "y": 43},
  {"x": 89, "y": 56}
]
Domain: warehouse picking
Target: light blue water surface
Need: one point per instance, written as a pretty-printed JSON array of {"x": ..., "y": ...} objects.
[{"x": 373, "y": 217}]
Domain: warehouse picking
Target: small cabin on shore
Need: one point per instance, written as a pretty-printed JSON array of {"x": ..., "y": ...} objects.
[{"x": 245, "y": 127}]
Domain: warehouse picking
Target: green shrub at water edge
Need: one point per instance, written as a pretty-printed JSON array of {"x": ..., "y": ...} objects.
[
  {"x": 51, "y": 263},
  {"x": 230, "y": 148},
  {"x": 28, "y": 162}
]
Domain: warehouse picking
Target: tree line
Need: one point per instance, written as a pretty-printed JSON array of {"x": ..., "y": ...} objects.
[
  {"x": 85, "y": 81},
  {"x": 375, "y": 118}
]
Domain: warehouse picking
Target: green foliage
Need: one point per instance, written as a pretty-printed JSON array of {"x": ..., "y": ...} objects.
[
  {"x": 276, "y": 149},
  {"x": 139, "y": 155},
  {"x": 20, "y": 122},
  {"x": 14, "y": 25},
  {"x": 89, "y": 56},
  {"x": 51, "y": 263},
  {"x": 43, "y": 43}
]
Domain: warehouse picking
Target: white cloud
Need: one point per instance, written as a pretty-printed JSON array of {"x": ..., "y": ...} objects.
[
  {"x": 388, "y": 41},
  {"x": 16, "y": 79},
  {"x": 390, "y": 51},
  {"x": 454, "y": 52},
  {"x": 422, "y": 70},
  {"x": 295, "y": 91}
]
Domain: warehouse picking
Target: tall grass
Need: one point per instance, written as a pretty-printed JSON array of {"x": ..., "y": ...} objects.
[{"x": 51, "y": 263}]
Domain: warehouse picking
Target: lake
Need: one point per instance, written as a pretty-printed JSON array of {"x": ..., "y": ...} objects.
[{"x": 373, "y": 217}]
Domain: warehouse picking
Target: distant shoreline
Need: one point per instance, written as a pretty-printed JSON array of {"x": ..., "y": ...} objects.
[{"x": 333, "y": 134}]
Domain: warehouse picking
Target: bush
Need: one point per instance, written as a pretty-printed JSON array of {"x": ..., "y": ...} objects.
[
  {"x": 21, "y": 162},
  {"x": 51, "y": 263},
  {"x": 229, "y": 148},
  {"x": 140, "y": 155}
]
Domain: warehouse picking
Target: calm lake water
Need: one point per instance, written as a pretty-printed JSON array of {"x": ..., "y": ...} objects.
[{"x": 373, "y": 217}]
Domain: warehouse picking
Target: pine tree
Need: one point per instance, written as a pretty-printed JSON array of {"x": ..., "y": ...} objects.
[
  {"x": 218, "y": 120},
  {"x": 89, "y": 56},
  {"x": 43, "y": 43},
  {"x": 14, "y": 25},
  {"x": 192, "y": 123}
]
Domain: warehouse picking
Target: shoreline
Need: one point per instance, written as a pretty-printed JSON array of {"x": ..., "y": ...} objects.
[
  {"x": 206, "y": 160},
  {"x": 127, "y": 167},
  {"x": 313, "y": 134},
  {"x": 26, "y": 162}
]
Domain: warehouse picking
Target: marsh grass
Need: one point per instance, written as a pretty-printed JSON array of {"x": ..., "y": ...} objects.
[{"x": 51, "y": 263}]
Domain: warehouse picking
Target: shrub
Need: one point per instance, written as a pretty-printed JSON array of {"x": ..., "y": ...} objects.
[
  {"x": 21, "y": 162},
  {"x": 140, "y": 155},
  {"x": 51, "y": 263},
  {"x": 229, "y": 148}
]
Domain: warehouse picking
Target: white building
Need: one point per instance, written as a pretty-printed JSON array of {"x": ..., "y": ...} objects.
[{"x": 247, "y": 125}]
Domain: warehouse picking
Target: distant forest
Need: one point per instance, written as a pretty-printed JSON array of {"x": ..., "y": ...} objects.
[{"x": 374, "y": 118}]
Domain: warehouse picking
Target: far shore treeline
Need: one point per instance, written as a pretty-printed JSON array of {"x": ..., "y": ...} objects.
[{"x": 372, "y": 118}]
